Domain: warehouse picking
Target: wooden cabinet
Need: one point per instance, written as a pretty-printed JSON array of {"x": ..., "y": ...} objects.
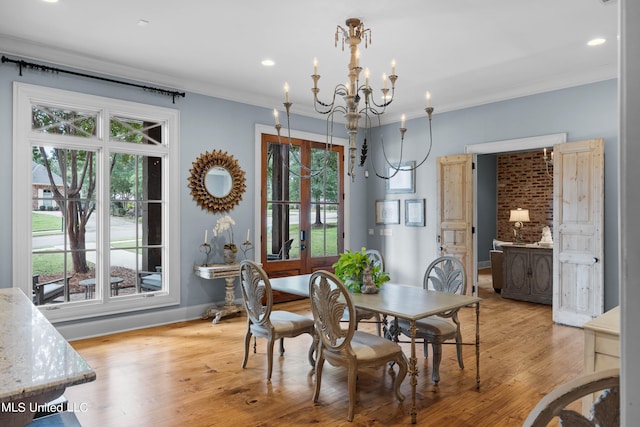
[{"x": 528, "y": 273}]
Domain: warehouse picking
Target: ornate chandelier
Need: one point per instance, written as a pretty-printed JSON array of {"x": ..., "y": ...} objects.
[{"x": 353, "y": 93}]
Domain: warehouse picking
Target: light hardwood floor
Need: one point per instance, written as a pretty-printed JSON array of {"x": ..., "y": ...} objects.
[{"x": 189, "y": 374}]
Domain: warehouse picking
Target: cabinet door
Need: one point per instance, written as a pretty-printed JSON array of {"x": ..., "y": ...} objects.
[
  {"x": 516, "y": 278},
  {"x": 541, "y": 265}
]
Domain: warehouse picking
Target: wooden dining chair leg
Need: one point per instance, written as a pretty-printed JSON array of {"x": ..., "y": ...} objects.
[
  {"x": 270, "y": 345},
  {"x": 312, "y": 350},
  {"x": 437, "y": 356},
  {"x": 459, "y": 351},
  {"x": 281, "y": 346},
  {"x": 247, "y": 344},
  {"x": 319, "y": 365},
  {"x": 352, "y": 378}
]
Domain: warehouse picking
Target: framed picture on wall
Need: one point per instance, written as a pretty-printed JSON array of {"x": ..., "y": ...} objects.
[
  {"x": 387, "y": 211},
  {"x": 414, "y": 212},
  {"x": 403, "y": 180}
]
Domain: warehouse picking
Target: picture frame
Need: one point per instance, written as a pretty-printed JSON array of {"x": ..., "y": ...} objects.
[
  {"x": 387, "y": 211},
  {"x": 404, "y": 181},
  {"x": 414, "y": 212}
]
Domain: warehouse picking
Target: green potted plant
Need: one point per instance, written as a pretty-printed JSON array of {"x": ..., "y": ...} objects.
[{"x": 352, "y": 267}]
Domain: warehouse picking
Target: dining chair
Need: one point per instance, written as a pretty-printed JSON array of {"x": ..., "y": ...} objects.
[
  {"x": 263, "y": 321},
  {"x": 339, "y": 342},
  {"x": 366, "y": 315},
  {"x": 444, "y": 274}
]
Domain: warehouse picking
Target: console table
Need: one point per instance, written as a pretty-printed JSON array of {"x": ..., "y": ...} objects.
[{"x": 228, "y": 272}]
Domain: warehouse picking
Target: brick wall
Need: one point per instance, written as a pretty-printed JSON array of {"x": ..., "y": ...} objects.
[{"x": 523, "y": 183}]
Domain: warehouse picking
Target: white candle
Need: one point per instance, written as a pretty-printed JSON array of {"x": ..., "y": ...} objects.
[
  {"x": 393, "y": 67},
  {"x": 286, "y": 92},
  {"x": 366, "y": 78},
  {"x": 384, "y": 79},
  {"x": 315, "y": 70},
  {"x": 206, "y": 235},
  {"x": 403, "y": 119},
  {"x": 248, "y": 231},
  {"x": 428, "y": 99},
  {"x": 275, "y": 115}
]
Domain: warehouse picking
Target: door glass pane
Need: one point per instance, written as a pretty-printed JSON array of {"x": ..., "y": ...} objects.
[
  {"x": 283, "y": 229},
  {"x": 324, "y": 230}
]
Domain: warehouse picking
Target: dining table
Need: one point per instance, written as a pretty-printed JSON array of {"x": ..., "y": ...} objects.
[
  {"x": 404, "y": 302},
  {"x": 37, "y": 364}
]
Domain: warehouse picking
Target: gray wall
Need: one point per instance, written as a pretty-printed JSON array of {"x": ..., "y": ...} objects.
[
  {"x": 583, "y": 112},
  {"x": 208, "y": 123}
]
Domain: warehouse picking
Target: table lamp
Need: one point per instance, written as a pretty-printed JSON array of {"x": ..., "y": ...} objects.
[{"x": 518, "y": 216}]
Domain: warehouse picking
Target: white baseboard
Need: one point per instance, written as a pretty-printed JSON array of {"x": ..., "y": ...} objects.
[{"x": 112, "y": 325}]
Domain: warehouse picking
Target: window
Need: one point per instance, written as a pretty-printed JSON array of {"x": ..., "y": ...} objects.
[{"x": 96, "y": 203}]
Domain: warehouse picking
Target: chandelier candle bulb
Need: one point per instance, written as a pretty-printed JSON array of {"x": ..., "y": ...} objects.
[
  {"x": 315, "y": 70},
  {"x": 384, "y": 79},
  {"x": 428, "y": 99},
  {"x": 366, "y": 78},
  {"x": 286, "y": 92},
  {"x": 393, "y": 67},
  {"x": 275, "y": 115},
  {"x": 402, "y": 123}
]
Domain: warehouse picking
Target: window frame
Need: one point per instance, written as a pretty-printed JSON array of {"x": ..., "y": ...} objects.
[{"x": 26, "y": 95}]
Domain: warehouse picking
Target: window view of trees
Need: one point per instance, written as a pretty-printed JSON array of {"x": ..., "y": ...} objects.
[{"x": 69, "y": 253}]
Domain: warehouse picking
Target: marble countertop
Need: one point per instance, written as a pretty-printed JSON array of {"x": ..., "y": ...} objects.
[{"x": 34, "y": 358}]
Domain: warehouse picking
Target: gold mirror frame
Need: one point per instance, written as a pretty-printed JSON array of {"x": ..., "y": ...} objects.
[{"x": 197, "y": 181}]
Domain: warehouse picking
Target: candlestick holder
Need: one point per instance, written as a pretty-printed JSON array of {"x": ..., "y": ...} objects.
[
  {"x": 246, "y": 247},
  {"x": 205, "y": 248}
]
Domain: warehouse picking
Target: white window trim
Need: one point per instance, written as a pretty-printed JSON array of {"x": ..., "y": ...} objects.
[{"x": 24, "y": 96}]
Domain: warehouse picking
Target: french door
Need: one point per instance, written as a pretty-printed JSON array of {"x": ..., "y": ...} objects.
[{"x": 302, "y": 208}]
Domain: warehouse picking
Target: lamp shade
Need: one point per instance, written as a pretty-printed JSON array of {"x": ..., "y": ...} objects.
[{"x": 519, "y": 215}]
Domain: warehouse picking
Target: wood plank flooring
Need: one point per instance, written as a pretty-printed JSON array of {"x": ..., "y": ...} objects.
[{"x": 189, "y": 374}]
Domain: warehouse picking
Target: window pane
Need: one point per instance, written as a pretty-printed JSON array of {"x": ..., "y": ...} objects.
[
  {"x": 125, "y": 129},
  {"x": 63, "y": 122},
  {"x": 282, "y": 184},
  {"x": 64, "y": 223},
  {"x": 136, "y": 223}
]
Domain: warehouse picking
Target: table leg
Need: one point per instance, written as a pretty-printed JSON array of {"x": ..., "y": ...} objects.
[
  {"x": 229, "y": 308},
  {"x": 413, "y": 371}
]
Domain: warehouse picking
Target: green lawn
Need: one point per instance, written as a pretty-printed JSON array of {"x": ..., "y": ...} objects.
[{"x": 45, "y": 223}]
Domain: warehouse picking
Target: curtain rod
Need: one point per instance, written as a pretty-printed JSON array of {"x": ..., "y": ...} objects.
[{"x": 24, "y": 64}]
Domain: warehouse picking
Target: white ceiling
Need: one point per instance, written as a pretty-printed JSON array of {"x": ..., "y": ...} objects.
[{"x": 465, "y": 52}]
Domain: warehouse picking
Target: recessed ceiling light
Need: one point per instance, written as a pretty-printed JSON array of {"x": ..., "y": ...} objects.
[
  {"x": 596, "y": 42},
  {"x": 50, "y": 1},
  {"x": 143, "y": 23},
  {"x": 268, "y": 62}
]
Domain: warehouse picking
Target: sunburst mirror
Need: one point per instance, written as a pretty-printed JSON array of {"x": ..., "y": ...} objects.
[{"x": 217, "y": 182}]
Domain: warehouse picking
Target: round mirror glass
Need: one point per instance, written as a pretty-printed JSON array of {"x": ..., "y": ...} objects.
[{"x": 218, "y": 181}]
